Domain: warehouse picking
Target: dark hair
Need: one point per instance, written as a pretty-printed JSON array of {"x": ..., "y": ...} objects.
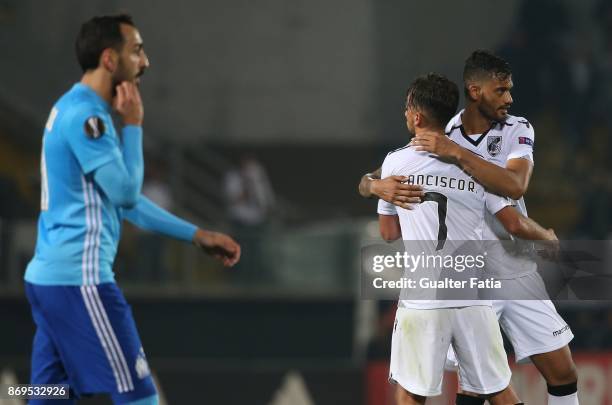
[
  {"x": 483, "y": 63},
  {"x": 98, "y": 34},
  {"x": 435, "y": 96}
]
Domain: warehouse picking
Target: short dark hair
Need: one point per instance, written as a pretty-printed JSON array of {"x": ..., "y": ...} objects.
[
  {"x": 434, "y": 95},
  {"x": 483, "y": 63},
  {"x": 96, "y": 35}
]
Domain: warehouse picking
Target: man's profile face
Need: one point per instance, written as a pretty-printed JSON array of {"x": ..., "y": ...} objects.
[
  {"x": 495, "y": 98},
  {"x": 132, "y": 58}
]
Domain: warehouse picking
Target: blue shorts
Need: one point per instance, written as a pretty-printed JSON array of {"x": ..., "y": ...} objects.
[{"x": 86, "y": 337}]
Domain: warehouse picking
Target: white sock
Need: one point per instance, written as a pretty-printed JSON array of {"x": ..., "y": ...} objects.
[{"x": 571, "y": 399}]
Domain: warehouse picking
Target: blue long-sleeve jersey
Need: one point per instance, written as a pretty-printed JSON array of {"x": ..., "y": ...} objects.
[{"x": 78, "y": 227}]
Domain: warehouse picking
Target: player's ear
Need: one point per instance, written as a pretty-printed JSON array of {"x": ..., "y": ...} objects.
[
  {"x": 109, "y": 59},
  {"x": 473, "y": 91},
  {"x": 418, "y": 119}
]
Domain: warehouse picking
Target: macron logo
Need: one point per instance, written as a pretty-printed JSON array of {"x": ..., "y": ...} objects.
[{"x": 560, "y": 331}]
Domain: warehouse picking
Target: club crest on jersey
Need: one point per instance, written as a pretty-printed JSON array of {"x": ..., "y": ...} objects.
[
  {"x": 494, "y": 144},
  {"x": 141, "y": 366},
  {"x": 94, "y": 127}
]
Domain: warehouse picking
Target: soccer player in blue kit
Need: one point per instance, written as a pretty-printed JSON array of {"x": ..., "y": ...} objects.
[{"x": 91, "y": 180}]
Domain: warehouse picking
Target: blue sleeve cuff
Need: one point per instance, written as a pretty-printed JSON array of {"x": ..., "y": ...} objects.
[
  {"x": 175, "y": 227},
  {"x": 190, "y": 231}
]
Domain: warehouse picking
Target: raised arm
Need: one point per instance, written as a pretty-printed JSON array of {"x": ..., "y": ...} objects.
[
  {"x": 392, "y": 189},
  {"x": 121, "y": 178},
  {"x": 511, "y": 181},
  {"x": 523, "y": 227},
  {"x": 513, "y": 221},
  {"x": 149, "y": 216},
  {"x": 365, "y": 185}
]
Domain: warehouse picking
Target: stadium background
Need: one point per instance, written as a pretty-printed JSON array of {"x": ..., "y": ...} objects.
[{"x": 313, "y": 91}]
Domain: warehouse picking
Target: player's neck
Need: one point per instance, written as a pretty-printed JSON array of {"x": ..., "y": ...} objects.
[
  {"x": 429, "y": 130},
  {"x": 473, "y": 121},
  {"x": 100, "y": 83}
]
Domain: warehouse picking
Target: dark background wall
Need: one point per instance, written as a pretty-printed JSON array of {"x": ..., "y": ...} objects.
[{"x": 266, "y": 71}]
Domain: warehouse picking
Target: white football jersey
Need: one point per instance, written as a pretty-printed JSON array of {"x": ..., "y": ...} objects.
[
  {"x": 452, "y": 209},
  {"x": 513, "y": 139}
]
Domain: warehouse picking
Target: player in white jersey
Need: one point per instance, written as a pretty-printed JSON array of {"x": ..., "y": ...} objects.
[
  {"x": 452, "y": 210},
  {"x": 505, "y": 145}
]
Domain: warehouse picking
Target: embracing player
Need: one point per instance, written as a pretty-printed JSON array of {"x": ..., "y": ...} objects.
[
  {"x": 452, "y": 209},
  {"x": 497, "y": 149},
  {"x": 91, "y": 180}
]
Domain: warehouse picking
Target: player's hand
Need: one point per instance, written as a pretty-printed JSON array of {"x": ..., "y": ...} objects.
[
  {"x": 128, "y": 104},
  {"x": 550, "y": 248},
  {"x": 218, "y": 245},
  {"x": 435, "y": 143},
  {"x": 393, "y": 190},
  {"x": 552, "y": 236}
]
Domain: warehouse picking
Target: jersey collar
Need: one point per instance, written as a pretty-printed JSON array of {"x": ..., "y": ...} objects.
[{"x": 456, "y": 123}]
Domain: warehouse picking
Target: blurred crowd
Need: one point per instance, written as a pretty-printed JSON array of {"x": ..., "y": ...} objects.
[{"x": 561, "y": 57}]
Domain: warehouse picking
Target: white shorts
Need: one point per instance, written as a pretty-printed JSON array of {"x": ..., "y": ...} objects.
[
  {"x": 532, "y": 326},
  {"x": 422, "y": 337}
]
